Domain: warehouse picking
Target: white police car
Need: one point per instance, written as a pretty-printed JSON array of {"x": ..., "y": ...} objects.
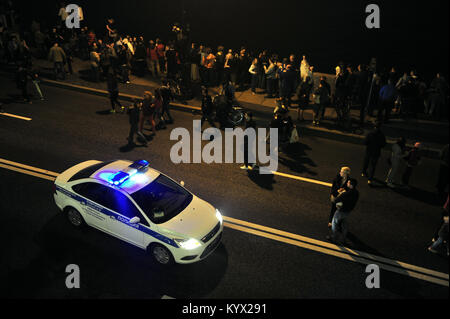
[{"x": 141, "y": 206}]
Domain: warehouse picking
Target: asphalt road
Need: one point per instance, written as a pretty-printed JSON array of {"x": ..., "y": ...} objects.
[{"x": 71, "y": 127}]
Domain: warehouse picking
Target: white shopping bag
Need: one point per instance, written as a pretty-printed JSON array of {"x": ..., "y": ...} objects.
[{"x": 294, "y": 136}]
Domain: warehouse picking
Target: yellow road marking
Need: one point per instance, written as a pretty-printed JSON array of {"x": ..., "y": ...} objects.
[
  {"x": 4, "y": 161},
  {"x": 16, "y": 116},
  {"x": 337, "y": 248},
  {"x": 302, "y": 179},
  {"x": 23, "y": 171},
  {"x": 288, "y": 238},
  {"x": 341, "y": 255}
]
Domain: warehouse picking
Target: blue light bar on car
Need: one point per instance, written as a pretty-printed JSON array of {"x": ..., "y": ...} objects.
[
  {"x": 119, "y": 178},
  {"x": 140, "y": 165},
  {"x": 133, "y": 169}
]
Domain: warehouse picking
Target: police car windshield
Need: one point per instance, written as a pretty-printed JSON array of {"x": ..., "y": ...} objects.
[{"x": 162, "y": 195}]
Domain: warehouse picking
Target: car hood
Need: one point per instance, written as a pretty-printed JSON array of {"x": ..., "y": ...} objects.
[{"x": 195, "y": 221}]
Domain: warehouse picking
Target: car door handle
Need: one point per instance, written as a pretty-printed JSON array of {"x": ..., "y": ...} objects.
[{"x": 112, "y": 217}]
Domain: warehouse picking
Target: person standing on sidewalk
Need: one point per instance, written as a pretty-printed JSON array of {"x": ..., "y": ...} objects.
[
  {"x": 339, "y": 186},
  {"x": 375, "y": 141},
  {"x": 321, "y": 99},
  {"x": 253, "y": 70},
  {"x": 413, "y": 159},
  {"x": 386, "y": 101},
  {"x": 167, "y": 97},
  {"x": 345, "y": 203},
  {"x": 113, "y": 89},
  {"x": 398, "y": 153},
  {"x": 271, "y": 74},
  {"x": 58, "y": 57},
  {"x": 95, "y": 63}
]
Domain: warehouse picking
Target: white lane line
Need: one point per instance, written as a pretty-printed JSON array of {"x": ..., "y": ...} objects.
[
  {"x": 31, "y": 168},
  {"x": 337, "y": 248},
  {"x": 16, "y": 116},
  {"x": 297, "y": 240},
  {"x": 341, "y": 255}
]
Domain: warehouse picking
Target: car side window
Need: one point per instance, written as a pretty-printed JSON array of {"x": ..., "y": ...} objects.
[
  {"x": 91, "y": 191},
  {"x": 121, "y": 204}
]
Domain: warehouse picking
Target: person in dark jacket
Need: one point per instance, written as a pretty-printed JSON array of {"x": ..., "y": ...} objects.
[
  {"x": 22, "y": 83},
  {"x": 413, "y": 159},
  {"x": 386, "y": 101},
  {"x": 167, "y": 97},
  {"x": 113, "y": 90},
  {"x": 207, "y": 108},
  {"x": 375, "y": 141},
  {"x": 248, "y": 144},
  {"x": 345, "y": 204},
  {"x": 287, "y": 82},
  {"x": 339, "y": 186},
  {"x": 442, "y": 234},
  {"x": 133, "y": 115}
]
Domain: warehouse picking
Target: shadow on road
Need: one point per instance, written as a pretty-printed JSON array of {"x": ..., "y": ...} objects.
[
  {"x": 264, "y": 181},
  {"x": 109, "y": 268},
  {"x": 421, "y": 195},
  {"x": 297, "y": 160},
  {"x": 130, "y": 147}
]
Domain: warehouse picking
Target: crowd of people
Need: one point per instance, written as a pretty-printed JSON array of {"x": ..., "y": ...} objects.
[{"x": 367, "y": 87}]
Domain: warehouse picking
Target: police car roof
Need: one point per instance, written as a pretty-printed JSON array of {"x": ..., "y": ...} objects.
[{"x": 131, "y": 185}]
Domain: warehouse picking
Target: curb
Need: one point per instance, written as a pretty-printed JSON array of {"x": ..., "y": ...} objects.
[{"x": 307, "y": 130}]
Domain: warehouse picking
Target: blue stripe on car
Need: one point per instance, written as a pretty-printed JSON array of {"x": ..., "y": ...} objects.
[{"x": 117, "y": 216}]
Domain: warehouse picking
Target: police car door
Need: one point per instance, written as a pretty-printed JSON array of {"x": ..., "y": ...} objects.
[
  {"x": 92, "y": 201},
  {"x": 119, "y": 223}
]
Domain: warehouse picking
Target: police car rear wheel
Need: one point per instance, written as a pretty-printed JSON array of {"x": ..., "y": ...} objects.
[
  {"x": 161, "y": 254},
  {"x": 75, "y": 217}
]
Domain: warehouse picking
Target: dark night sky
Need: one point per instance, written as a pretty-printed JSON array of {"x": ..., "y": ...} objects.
[{"x": 412, "y": 33}]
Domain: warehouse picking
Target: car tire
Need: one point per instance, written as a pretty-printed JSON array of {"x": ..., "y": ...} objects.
[
  {"x": 74, "y": 217},
  {"x": 161, "y": 255}
]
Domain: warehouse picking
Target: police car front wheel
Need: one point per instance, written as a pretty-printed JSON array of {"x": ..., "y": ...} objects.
[
  {"x": 74, "y": 217},
  {"x": 161, "y": 254}
]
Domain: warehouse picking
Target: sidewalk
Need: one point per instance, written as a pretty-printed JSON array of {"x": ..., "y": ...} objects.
[{"x": 433, "y": 134}]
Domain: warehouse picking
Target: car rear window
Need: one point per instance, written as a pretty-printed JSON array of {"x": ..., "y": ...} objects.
[{"x": 88, "y": 171}]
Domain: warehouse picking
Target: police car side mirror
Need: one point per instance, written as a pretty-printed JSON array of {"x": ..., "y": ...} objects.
[{"x": 135, "y": 220}]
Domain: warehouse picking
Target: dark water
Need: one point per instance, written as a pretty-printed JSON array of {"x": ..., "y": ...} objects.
[{"x": 413, "y": 34}]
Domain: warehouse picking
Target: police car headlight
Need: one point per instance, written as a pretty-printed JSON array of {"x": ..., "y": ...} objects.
[
  {"x": 188, "y": 244},
  {"x": 219, "y": 216}
]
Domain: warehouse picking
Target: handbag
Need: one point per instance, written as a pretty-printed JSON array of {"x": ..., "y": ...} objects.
[{"x": 294, "y": 137}]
